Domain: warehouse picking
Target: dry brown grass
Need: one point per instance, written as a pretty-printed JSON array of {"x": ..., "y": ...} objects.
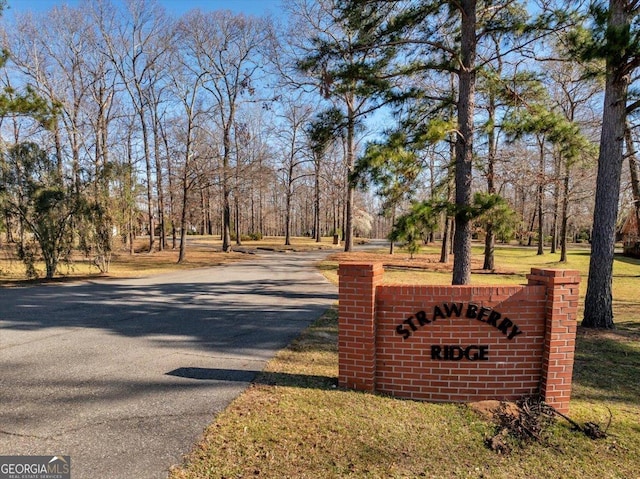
[{"x": 202, "y": 252}]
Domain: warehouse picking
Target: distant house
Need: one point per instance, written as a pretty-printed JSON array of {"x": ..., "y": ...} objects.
[{"x": 630, "y": 235}]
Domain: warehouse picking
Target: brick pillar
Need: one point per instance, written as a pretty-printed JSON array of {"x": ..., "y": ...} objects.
[
  {"x": 560, "y": 333},
  {"x": 356, "y": 324}
]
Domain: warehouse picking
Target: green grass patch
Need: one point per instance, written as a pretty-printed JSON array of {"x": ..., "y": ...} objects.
[
  {"x": 294, "y": 422},
  {"x": 513, "y": 264}
]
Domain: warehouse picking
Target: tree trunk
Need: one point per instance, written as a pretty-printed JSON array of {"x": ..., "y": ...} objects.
[
  {"x": 449, "y": 222},
  {"x": 316, "y": 203},
  {"x": 633, "y": 170},
  {"x": 464, "y": 144},
  {"x": 598, "y": 307},
  {"x": 236, "y": 204},
  {"x": 490, "y": 238},
  {"x": 393, "y": 222},
  {"x": 351, "y": 155},
  {"x": 540, "y": 203},
  {"x": 260, "y": 217},
  {"x": 534, "y": 215},
  {"x": 565, "y": 214},
  {"x": 554, "y": 225},
  {"x": 129, "y": 205},
  {"x": 159, "y": 184},
  {"x": 489, "y": 249},
  {"x": 287, "y": 217},
  {"x": 172, "y": 218},
  {"x": 147, "y": 160},
  {"x": 446, "y": 240},
  {"x": 182, "y": 255},
  {"x": 540, "y": 221},
  {"x": 556, "y": 203},
  {"x": 51, "y": 266},
  {"x": 203, "y": 213},
  {"x": 236, "y": 198},
  {"x": 226, "y": 207},
  {"x": 58, "y": 147}
]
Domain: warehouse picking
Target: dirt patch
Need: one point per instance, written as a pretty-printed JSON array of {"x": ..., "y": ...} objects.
[{"x": 488, "y": 410}]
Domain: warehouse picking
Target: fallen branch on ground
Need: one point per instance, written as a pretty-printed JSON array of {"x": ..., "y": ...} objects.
[{"x": 530, "y": 421}]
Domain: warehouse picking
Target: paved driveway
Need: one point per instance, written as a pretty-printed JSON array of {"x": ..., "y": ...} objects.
[{"x": 124, "y": 375}]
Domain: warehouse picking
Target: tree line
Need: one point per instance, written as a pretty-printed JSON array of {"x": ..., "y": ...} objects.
[
  {"x": 160, "y": 125},
  {"x": 413, "y": 119}
]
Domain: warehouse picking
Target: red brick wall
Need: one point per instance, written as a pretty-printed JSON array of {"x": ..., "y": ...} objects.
[
  {"x": 408, "y": 340},
  {"x": 560, "y": 340},
  {"x": 356, "y": 331}
]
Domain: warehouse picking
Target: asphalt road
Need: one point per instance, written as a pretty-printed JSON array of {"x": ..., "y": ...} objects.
[{"x": 123, "y": 376}]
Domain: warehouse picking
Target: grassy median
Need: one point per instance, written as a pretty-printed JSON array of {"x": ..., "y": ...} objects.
[{"x": 294, "y": 422}]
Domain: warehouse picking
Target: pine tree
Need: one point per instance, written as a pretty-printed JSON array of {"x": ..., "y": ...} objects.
[
  {"x": 321, "y": 131},
  {"x": 394, "y": 169},
  {"x": 350, "y": 70},
  {"x": 613, "y": 35},
  {"x": 442, "y": 37}
]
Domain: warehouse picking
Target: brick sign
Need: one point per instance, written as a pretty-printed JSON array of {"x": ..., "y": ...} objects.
[{"x": 458, "y": 343}]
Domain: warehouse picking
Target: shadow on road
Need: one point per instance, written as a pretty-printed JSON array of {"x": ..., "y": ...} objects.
[
  {"x": 210, "y": 313},
  {"x": 107, "y": 369},
  {"x": 257, "y": 377}
]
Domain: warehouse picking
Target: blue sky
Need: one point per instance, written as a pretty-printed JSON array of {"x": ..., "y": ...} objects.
[{"x": 177, "y": 7}]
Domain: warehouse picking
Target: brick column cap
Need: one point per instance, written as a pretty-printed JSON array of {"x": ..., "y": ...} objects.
[
  {"x": 553, "y": 276},
  {"x": 361, "y": 268}
]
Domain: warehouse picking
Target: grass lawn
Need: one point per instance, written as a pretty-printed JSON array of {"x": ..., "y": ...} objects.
[{"x": 294, "y": 422}]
